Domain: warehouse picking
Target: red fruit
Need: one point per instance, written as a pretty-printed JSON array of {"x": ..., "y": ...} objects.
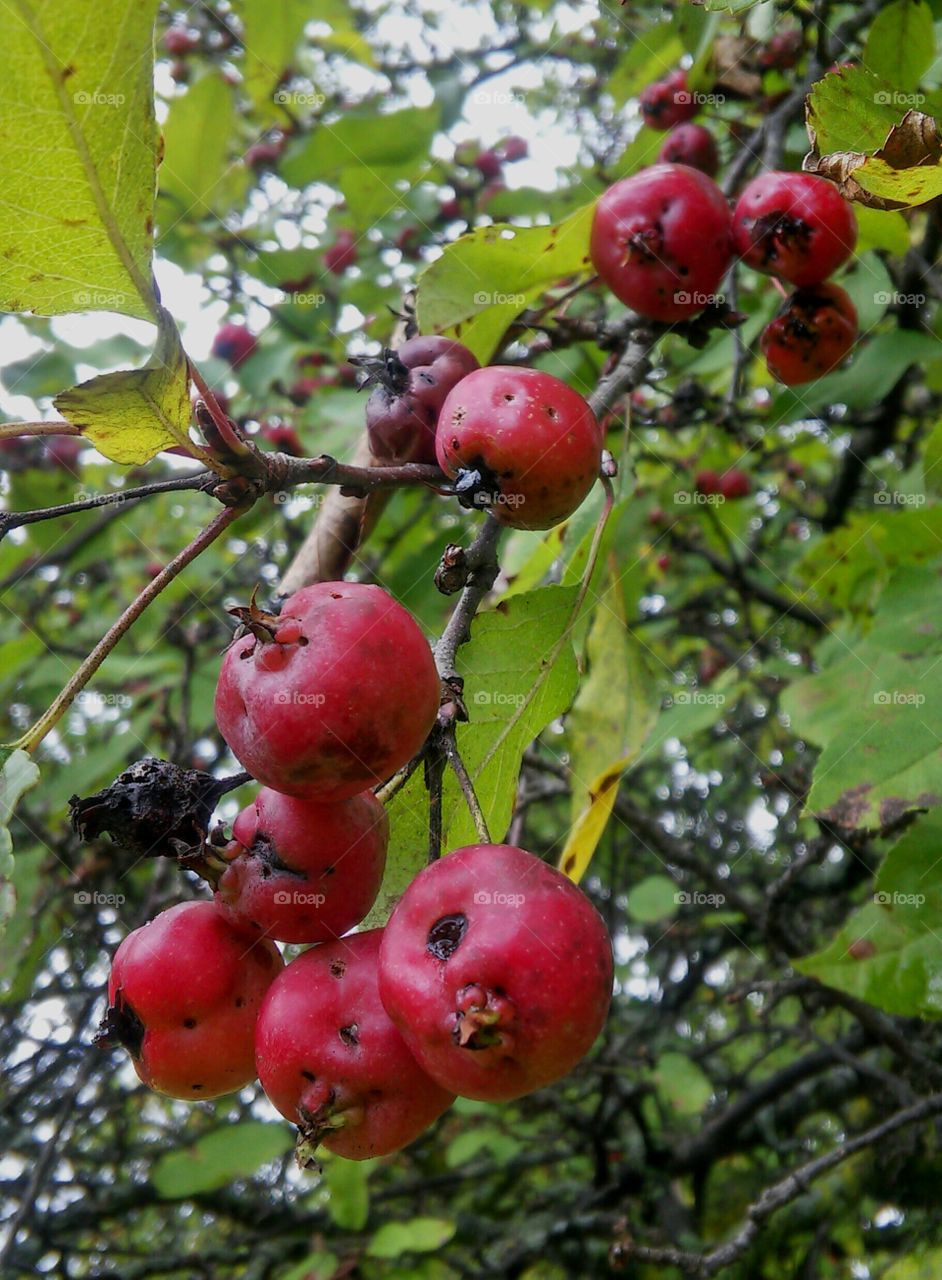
[
  {"x": 406, "y": 241},
  {"x": 178, "y": 42},
  {"x": 331, "y": 1061},
  {"x": 263, "y": 155},
  {"x": 184, "y": 994},
  {"x": 812, "y": 333},
  {"x": 664, "y": 562},
  {"x": 707, "y": 481},
  {"x": 234, "y": 343},
  {"x": 338, "y": 704},
  {"x": 342, "y": 253},
  {"x": 64, "y": 452},
  {"x": 282, "y": 437},
  {"x": 488, "y": 164},
  {"x": 693, "y": 145},
  {"x": 661, "y": 241},
  {"x": 520, "y": 443},
  {"x": 514, "y": 148},
  {"x": 668, "y": 102},
  {"x": 301, "y": 391},
  {"x": 411, "y": 386},
  {"x": 735, "y": 484},
  {"x": 782, "y": 51},
  {"x": 302, "y": 871},
  {"x": 312, "y": 360},
  {"x": 794, "y": 225},
  {"x": 450, "y": 209},
  {"x": 497, "y": 970}
]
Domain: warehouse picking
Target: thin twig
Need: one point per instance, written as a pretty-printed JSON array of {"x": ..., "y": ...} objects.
[{"x": 466, "y": 785}]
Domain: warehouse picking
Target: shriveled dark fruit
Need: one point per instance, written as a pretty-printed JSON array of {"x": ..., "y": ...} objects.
[
  {"x": 693, "y": 145},
  {"x": 661, "y": 241},
  {"x": 331, "y": 696},
  {"x": 794, "y": 225},
  {"x": 184, "y": 994},
  {"x": 519, "y": 443},
  {"x": 814, "y": 331},
  {"x": 707, "y": 481},
  {"x": 497, "y": 970},
  {"x": 411, "y": 385},
  {"x": 234, "y": 343},
  {"x": 668, "y": 102},
  {"x": 331, "y": 1061},
  {"x": 300, "y": 871}
]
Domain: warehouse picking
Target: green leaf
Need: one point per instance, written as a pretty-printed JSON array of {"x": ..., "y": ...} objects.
[
  {"x": 851, "y": 110},
  {"x": 347, "y": 1182},
  {"x": 889, "y": 952},
  {"x": 513, "y": 689},
  {"x": 272, "y": 30},
  {"x": 420, "y": 1235},
  {"x": 682, "y": 1083},
  {"x": 910, "y": 187},
  {"x": 647, "y": 59},
  {"x": 43, "y": 374},
  {"x": 473, "y": 1141},
  {"x": 316, "y": 1266},
  {"x": 399, "y": 139},
  {"x": 236, "y": 1151},
  {"x": 874, "y": 369},
  {"x": 196, "y": 175},
  {"x": 485, "y": 279},
  {"x": 881, "y": 230},
  {"x": 901, "y": 43},
  {"x": 654, "y": 898},
  {"x": 78, "y": 151},
  {"x": 925, "y": 1264},
  {"x": 871, "y": 708},
  {"x": 131, "y": 415},
  {"x": 18, "y": 774}
]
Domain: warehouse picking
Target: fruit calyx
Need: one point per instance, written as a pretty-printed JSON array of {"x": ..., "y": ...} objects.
[
  {"x": 477, "y": 487},
  {"x": 319, "y": 1115},
  {"x": 120, "y": 1027},
  {"x": 772, "y": 230},
  {"x": 385, "y": 370},
  {"x": 483, "y": 1019}
]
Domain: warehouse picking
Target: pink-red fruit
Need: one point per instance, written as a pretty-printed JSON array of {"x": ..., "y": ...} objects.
[
  {"x": 411, "y": 385},
  {"x": 668, "y": 102},
  {"x": 330, "y": 697},
  {"x": 488, "y": 164},
  {"x": 514, "y": 148},
  {"x": 342, "y": 253},
  {"x": 497, "y": 970},
  {"x": 331, "y": 1061},
  {"x": 661, "y": 241},
  {"x": 234, "y": 343},
  {"x": 693, "y": 145},
  {"x": 184, "y": 995},
  {"x": 795, "y": 226},
  {"x": 735, "y": 484},
  {"x": 519, "y": 443},
  {"x": 300, "y": 871},
  {"x": 813, "y": 332}
]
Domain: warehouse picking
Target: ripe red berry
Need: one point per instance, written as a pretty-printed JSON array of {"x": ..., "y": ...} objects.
[
  {"x": 282, "y": 437},
  {"x": 411, "y": 385},
  {"x": 664, "y": 561},
  {"x": 184, "y": 995},
  {"x": 497, "y": 970},
  {"x": 331, "y": 1061},
  {"x": 450, "y": 209},
  {"x": 668, "y": 102},
  {"x": 782, "y": 50},
  {"x": 234, "y": 343},
  {"x": 408, "y": 241},
  {"x": 693, "y": 145},
  {"x": 64, "y": 452},
  {"x": 520, "y": 443},
  {"x": 178, "y": 42},
  {"x": 707, "y": 481},
  {"x": 338, "y": 705},
  {"x": 794, "y": 225},
  {"x": 661, "y": 241},
  {"x": 264, "y": 154},
  {"x": 812, "y": 333},
  {"x": 514, "y": 148},
  {"x": 300, "y": 871},
  {"x": 488, "y": 164},
  {"x": 735, "y": 484},
  {"x": 342, "y": 253}
]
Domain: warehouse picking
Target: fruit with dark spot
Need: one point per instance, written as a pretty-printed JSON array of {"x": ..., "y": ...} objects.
[
  {"x": 661, "y": 241},
  {"x": 184, "y": 995},
  {"x": 234, "y": 343},
  {"x": 693, "y": 145},
  {"x": 668, "y": 102},
  {"x": 300, "y": 871},
  {"x": 814, "y": 330},
  {"x": 519, "y": 443},
  {"x": 497, "y": 970},
  {"x": 411, "y": 384},
  {"x": 331, "y": 1061},
  {"x": 342, "y": 253},
  {"x": 795, "y": 226},
  {"x": 332, "y": 696}
]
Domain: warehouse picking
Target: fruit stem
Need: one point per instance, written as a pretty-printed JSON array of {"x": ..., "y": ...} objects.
[
  {"x": 50, "y": 718},
  {"x": 230, "y": 438},
  {"x": 481, "y": 563}
]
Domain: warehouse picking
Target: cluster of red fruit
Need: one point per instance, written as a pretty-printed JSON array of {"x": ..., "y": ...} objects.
[
  {"x": 664, "y": 239},
  {"x": 491, "y": 979}
]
